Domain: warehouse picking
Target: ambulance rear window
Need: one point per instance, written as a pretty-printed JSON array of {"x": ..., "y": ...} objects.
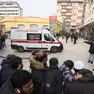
[{"x": 33, "y": 36}]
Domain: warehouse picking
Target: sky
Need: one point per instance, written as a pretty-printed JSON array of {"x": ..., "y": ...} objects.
[{"x": 38, "y": 8}]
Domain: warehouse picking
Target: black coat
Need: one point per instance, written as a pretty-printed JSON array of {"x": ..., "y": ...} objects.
[
  {"x": 6, "y": 72},
  {"x": 91, "y": 49},
  {"x": 38, "y": 76},
  {"x": 37, "y": 72},
  {"x": 83, "y": 85},
  {"x": 7, "y": 88},
  {"x": 53, "y": 81}
]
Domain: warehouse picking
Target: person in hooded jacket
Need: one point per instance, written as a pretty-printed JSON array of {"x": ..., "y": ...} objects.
[
  {"x": 38, "y": 65},
  {"x": 13, "y": 63},
  {"x": 84, "y": 85},
  {"x": 5, "y": 61},
  {"x": 53, "y": 78},
  {"x": 5, "y": 67}
]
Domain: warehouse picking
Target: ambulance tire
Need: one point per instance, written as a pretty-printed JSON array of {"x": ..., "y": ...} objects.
[
  {"x": 20, "y": 49},
  {"x": 54, "y": 49}
]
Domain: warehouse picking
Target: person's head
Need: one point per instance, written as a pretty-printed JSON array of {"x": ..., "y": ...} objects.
[
  {"x": 22, "y": 82},
  {"x": 41, "y": 56},
  {"x": 69, "y": 64},
  {"x": 78, "y": 65},
  {"x": 15, "y": 62},
  {"x": 53, "y": 62},
  {"x": 9, "y": 56}
]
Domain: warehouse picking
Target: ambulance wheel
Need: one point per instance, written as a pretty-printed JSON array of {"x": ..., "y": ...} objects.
[
  {"x": 20, "y": 49},
  {"x": 54, "y": 49}
]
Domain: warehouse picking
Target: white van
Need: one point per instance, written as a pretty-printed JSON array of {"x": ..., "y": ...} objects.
[{"x": 34, "y": 39}]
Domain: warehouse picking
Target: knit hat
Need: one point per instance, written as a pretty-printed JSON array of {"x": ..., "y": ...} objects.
[{"x": 78, "y": 65}]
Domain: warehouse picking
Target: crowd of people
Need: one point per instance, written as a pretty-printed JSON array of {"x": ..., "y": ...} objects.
[
  {"x": 70, "y": 78},
  {"x": 73, "y": 35}
]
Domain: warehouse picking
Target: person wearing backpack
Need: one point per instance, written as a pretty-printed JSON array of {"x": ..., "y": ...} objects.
[{"x": 53, "y": 78}]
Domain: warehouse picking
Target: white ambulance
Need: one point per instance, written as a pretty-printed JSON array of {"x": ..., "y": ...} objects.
[{"x": 34, "y": 39}]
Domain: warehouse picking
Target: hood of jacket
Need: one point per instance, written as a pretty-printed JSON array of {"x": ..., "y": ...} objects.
[
  {"x": 36, "y": 64},
  {"x": 7, "y": 88},
  {"x": 5, "y": 61},
  {"x": 87, "y": 76}
]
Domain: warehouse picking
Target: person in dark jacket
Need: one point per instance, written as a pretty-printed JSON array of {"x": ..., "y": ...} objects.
[
  {"x": 53, "y": 78},
  {"x": 8, "y": 69},
  {"x": 91, "y": 51},
  {"x": 84, "y": 85},
  {"x": 71, "y": 35},
  {"x": 5, "y": 68},
  {"x": 67, "y": 37},
  {"x": 75, "y": 37},
  {"x": 38, "y": 64},
  {"x": 20, "y": 83},
  {"x": 5, "y": 61},
  {"x": 0, "y": 44},
  {"x": 3, "y": 38}
]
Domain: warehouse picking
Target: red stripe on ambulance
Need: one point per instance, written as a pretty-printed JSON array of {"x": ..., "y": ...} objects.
[{"x": 32, "y": 41}]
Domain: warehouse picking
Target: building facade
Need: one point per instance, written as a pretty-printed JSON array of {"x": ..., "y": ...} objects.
[
  {"x": 88, "y": 17},
  {"x": 89, "y": 12},
  {"x": 10, "y": 8},
  {"x": 28, "y": 22},
  {"x": 71, "y": 12}
]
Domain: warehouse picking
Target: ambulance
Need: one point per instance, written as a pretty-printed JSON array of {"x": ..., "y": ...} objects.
[{"x": 34, "y": 39}]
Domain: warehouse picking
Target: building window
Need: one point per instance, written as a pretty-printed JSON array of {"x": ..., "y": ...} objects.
[
  {"x": 79, "y": 17},
  {"x": 78, "y": 23},
  {"x": 73, "y": 20},
  {"x": 33, "y": 26},
  {"x": 21, "y": 26},
  {"x": 80, "y": 11},
  {"x": 74, "y": 14},
  {"x": 80, "y": 4},
  {"x": 68, "y": 11},
  {"x": 75, "y": 7},
  {"x": 63, "y": 7}
]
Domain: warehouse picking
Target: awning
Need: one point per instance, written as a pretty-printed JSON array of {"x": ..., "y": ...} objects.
[{"x": 87, "y": 25}]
